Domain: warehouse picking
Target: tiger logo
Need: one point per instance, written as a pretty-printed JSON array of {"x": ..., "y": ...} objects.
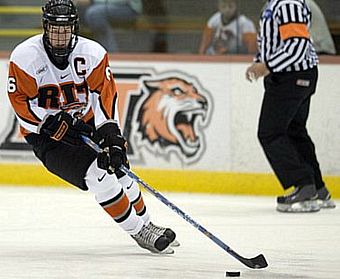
[{"x": 171, "y": 116}]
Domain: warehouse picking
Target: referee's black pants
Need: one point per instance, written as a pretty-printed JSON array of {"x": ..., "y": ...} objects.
[{"x": 282, "y": 128}]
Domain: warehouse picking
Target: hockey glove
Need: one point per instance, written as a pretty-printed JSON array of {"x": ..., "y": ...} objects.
[
  {"x": 63, "y": 127},
  {"x": 113, "y": 144}
]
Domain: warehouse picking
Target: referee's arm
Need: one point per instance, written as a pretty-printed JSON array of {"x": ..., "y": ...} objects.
[{"x": 293, "y": 32}]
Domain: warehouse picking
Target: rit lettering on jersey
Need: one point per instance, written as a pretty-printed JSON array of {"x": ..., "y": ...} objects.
[
  {"x": 50, "y": 96},
  {"x": 64, "y": 92}
]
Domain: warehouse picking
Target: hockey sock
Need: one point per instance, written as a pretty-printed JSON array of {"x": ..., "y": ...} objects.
[
  {"x": 134, "y": 194},
  {"x": 112, "y": 198}
]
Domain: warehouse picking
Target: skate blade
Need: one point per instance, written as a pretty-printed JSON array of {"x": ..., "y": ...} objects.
[
  {"x": 326, "y": 204},
  {"x": 175, "y": 243},
  {"x": 299, "y": 207},
  {"x": 166, "y": 251}
]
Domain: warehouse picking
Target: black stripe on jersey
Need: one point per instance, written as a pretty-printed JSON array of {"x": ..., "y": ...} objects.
[
  {"x": 114, "y": 105},
  {"x": 32, "y": 112},
  {"x": 103, "y": 108},
  {"x": 27, "y": 121},
  {"x": 114, "y": 199},
  {"x": 125, "y": 216}
]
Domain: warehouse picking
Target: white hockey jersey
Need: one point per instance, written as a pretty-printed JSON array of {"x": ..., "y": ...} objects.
[{"x": 36, "y": 87}]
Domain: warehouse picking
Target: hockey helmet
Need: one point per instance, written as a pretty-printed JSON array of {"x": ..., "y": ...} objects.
[{"x": 61, "y": 26}]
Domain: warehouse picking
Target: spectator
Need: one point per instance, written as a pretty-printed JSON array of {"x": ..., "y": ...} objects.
[
  {"x": 321, "y": 36},
  {"x": 102, "y": 14},
  {"x": 228, "y": 32}
]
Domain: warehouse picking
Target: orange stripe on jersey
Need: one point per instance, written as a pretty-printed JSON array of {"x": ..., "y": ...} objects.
[
  {"x": 24, "y": 132},
  {"x": 292, "y": 30},
  {"x": 88, "y": 116},
  {"x": 25, "y": 88},
  {"x": 139, "y": 205},
  {"x": 101, "y": 81},
  {"x": 24, "y": 82},
  {"x": 118, "y": 207}
]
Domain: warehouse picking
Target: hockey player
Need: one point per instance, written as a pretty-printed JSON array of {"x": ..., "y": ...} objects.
[{"x": 50, "y": 75}]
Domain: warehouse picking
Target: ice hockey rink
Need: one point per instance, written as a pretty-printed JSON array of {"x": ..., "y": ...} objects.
[{"x": 51, "y": 232}]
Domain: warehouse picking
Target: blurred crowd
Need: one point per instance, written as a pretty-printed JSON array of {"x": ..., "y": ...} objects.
[
  {"x": 227, "y": 30},
  {"x": 212, "y": 27}
]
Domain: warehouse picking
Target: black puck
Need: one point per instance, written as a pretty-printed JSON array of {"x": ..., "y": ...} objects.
[{"x": 232, "y": 274}]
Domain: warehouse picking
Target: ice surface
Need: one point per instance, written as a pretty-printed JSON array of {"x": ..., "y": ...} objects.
[{"x": 63, "y": 233}]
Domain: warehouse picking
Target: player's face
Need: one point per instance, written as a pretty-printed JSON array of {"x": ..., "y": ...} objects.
[{"x": 59, "y": 35}]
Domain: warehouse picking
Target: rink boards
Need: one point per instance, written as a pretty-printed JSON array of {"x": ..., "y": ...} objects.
[
  {"x": 216, "y": 150},
  {"x": 168, "y": 180}
]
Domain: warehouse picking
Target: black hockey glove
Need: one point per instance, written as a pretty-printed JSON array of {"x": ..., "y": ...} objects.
[
  {"x": 113, "y": 144},
  {"x": 63, "y": 127}
]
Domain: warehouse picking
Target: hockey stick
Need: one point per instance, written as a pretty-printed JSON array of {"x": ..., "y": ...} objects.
[{"x": 255, "y": 263}]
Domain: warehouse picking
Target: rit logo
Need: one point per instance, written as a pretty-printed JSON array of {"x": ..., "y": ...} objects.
[{"x": 53, "y": 96}]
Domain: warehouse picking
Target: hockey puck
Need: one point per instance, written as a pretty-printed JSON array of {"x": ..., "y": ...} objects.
[{"x": 232, "y": 274}]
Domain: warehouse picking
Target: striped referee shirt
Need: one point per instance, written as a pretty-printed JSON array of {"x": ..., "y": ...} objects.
[{"x": 284, "y": 41}]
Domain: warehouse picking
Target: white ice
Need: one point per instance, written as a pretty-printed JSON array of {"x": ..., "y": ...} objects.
[{"x": 62, "y": 233}]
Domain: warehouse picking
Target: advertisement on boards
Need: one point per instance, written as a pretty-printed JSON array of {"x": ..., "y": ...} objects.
[{"x": 167, "y": 113}]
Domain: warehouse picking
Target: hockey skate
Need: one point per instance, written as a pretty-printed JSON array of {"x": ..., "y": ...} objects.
[
  {"x": 324, "y": 198},
  {"x": 167, "y": 232},
  {"x": 303, "y": 199},
  {"x": 152, "y": 241}
]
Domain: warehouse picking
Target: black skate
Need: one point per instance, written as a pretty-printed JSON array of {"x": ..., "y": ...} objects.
[
  {"x": 324, "y": 198},
  {"x": 153, "y": 242},
  {"x": 303, "y": 199},
  {"x": 167, "y": 232}
]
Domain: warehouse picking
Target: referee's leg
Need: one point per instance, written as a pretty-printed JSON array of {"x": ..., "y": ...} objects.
[
  {"x": 279, "y": 107},
  {"x": 303, "y": 143}
]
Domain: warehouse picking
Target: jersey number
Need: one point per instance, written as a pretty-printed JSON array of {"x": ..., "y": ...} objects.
[{"x": 12, "y": 85}]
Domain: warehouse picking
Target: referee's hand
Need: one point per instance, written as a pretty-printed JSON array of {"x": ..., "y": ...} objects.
[{"x": 256, "y": 70}]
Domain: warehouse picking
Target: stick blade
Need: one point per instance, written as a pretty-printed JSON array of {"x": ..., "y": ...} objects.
[{"x": 256, "y": 263}]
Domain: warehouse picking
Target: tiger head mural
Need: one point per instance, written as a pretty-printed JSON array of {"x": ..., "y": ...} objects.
[{"x": 171, "y": 115}]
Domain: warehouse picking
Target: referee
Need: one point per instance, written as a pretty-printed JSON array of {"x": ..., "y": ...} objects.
[{"x": 288, "y": 62}]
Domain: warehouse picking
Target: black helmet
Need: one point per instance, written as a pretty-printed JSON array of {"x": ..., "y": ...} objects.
[{"x": 60, "y": 18}]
